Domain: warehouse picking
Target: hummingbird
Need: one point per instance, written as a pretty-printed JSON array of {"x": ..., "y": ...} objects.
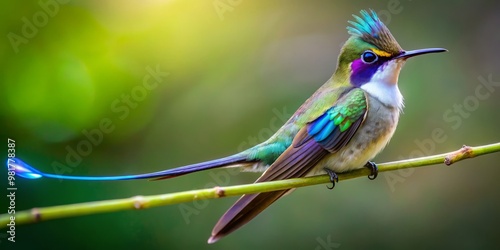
[{"x": 341, "y": 127}]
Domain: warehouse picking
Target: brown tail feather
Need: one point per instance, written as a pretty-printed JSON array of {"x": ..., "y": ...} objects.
[
  {"x": 244, "y": 210},
  {"x": 293, "y": 163}
]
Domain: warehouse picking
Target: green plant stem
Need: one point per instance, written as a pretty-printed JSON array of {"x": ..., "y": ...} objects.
[{"x": 142, "y": 202}]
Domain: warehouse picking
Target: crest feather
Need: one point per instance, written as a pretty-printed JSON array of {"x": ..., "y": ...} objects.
[{"x": 370, "y": 29}]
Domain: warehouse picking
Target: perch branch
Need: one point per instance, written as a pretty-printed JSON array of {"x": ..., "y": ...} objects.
[{"x": 141, "y": 202}]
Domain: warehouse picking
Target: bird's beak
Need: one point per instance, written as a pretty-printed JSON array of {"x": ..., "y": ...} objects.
[{"x": 417, "y": 52}]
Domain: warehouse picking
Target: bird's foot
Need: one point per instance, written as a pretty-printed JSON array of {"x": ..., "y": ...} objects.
[
  {"x": 333, "y": 177},
  {"x": 373, "y": 168}
]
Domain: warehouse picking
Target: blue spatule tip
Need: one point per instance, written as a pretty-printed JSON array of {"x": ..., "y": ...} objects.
[{"x": 22, "y": 169}]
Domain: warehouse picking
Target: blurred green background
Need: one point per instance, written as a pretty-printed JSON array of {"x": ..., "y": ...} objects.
[{"x": 236, "y": 71}]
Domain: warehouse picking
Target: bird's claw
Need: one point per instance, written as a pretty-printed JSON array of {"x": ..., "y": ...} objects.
[
  {"x": 373, "y": 170},
  {"x": 333, "y": 177}
]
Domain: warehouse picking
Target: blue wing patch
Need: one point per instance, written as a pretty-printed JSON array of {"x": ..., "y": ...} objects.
[{"x": 335, "y": 127}]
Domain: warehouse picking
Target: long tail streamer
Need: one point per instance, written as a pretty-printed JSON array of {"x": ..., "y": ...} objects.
[{"x": 24, "y": 170}]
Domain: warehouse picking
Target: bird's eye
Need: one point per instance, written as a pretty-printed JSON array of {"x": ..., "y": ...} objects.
[{"x": 369, "y": 57}]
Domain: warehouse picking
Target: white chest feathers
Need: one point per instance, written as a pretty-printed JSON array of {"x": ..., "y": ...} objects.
[{"x": 384, "y": 84}]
